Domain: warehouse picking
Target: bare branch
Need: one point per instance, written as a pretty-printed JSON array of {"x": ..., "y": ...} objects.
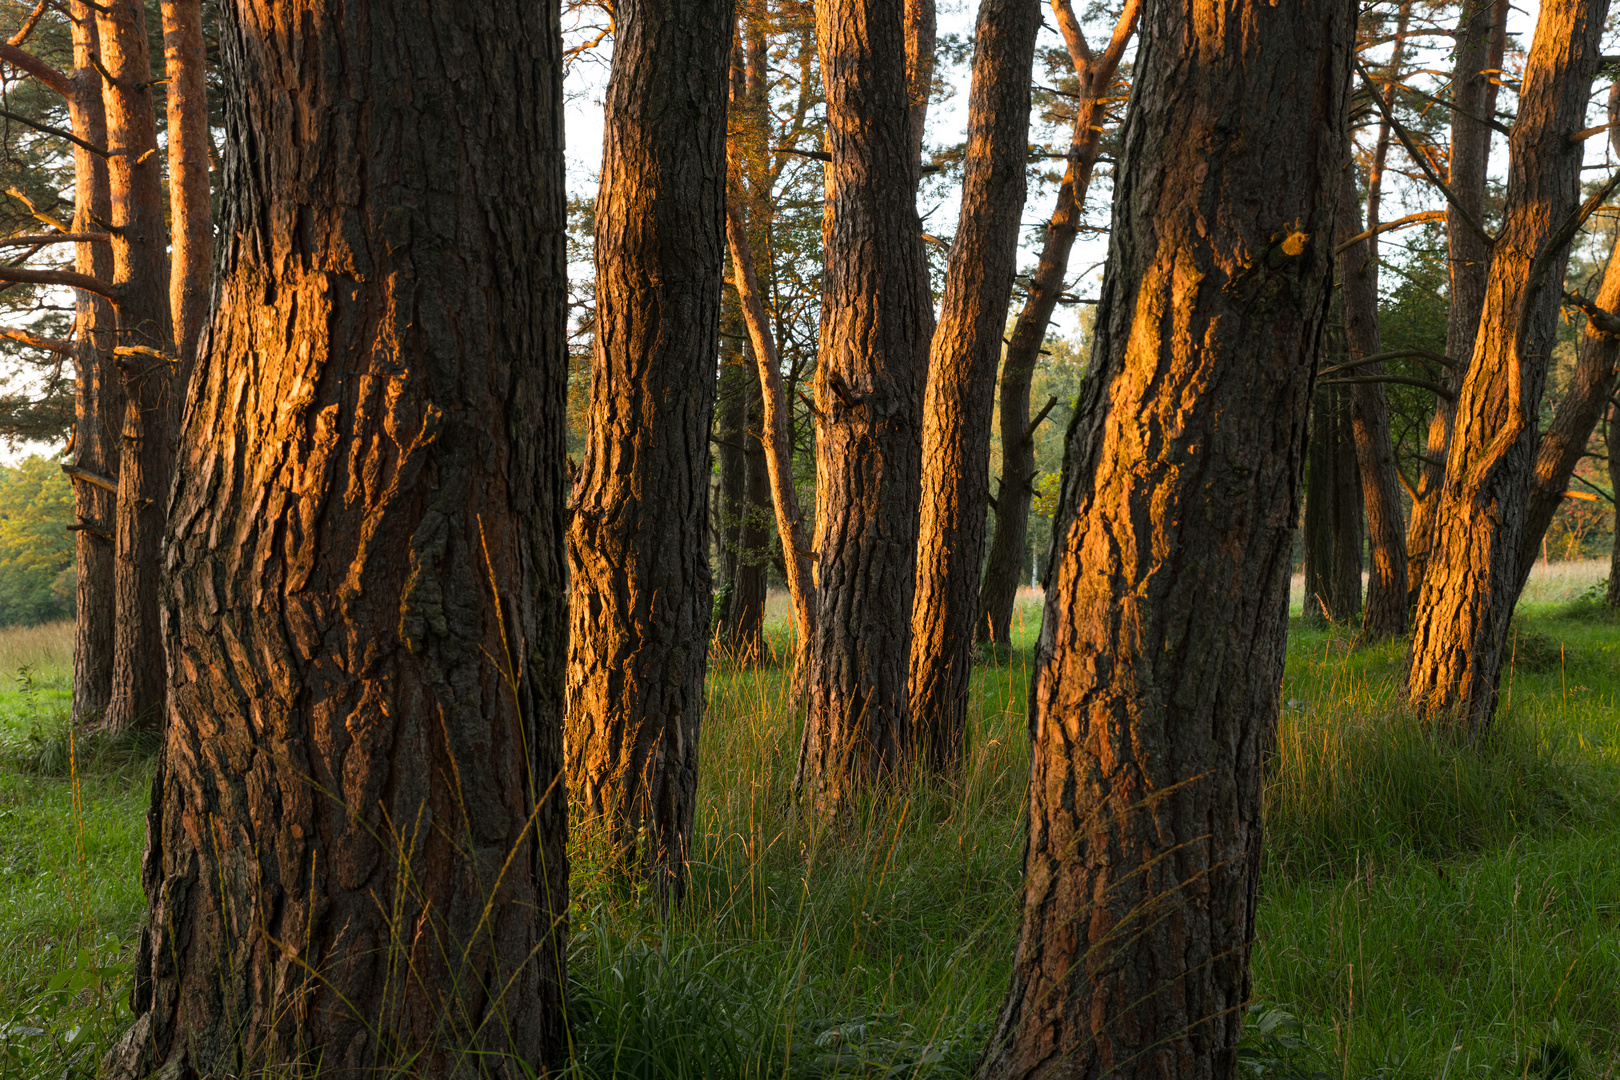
[
  {"x": 1398, "y": 354},
  {"x": 56, "y": 131},
  {"x": 39, "y": 69},
  {"x": 1604, "y": 322},
  {"x": 56, "y": 238},
  {"x": 93, "y": 479},
  {"x": 1404, "y": 379},
  {"x": 70, "y": 279},
  {"x": 1409, "y": 219},
  {"x": 1421, "y": 159},
  {"x": 34, "y": 341}
]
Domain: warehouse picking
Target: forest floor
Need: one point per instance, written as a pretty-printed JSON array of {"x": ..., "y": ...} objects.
[{"x": 1427, "y": 911}]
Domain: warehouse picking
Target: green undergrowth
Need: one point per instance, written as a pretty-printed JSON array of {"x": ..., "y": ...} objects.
[{"x": 1428, "y": 909}]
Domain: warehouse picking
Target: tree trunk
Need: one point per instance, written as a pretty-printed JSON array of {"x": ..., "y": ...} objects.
[
  {"x": 191, "y": 219},
  {"x": 777, "y": 445},
  {"x": 1009, "y": 543},
  {"x": 1155, "y": 696},
  {"x": 98, "y": 392},
  {"x": 960, "y": 398},
  {"x": 1385, "y": 612},
  {"x": 726, "y": 510},
  {"x": 1481, "y": 39},
  {"x": 873, "y": 349},
  {"x": 145, "y": 355},
  {"x": 1612, "y": 437},
  {"x": 1461, "y": 624},
  {"x": 1332, "y": 510},
  {"x": 745, "y": 620},
  {"x": 1564, "y": 442},
  {"x": 356, "y": 855},
  {"x": 638, "y": 543}
]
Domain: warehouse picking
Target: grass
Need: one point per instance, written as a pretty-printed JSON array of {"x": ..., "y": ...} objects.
[{"x": 1427, "y": 911}]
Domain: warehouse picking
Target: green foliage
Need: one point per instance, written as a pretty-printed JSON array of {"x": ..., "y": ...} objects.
[{"x": 36, "y": 550}]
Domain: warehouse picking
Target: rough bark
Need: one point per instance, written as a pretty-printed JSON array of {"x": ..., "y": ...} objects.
[
  {"x": 960, "y": 400},
  {"x": 98, "y": 392},
  {"x": 638, "y": 542},
  {"x": 1466, "y": 600},
  {"x": 777, "y": 444},
  {"x": 191, "y": 223},
  {"x": 872, "y": 354},
  {"x": 1160, "y": 658},
  {"x": 1332, "y": 509},
  {"x": 1564, "y": 442},
  {"x": 145, "y": 353},
  {"x": 1612, "y": 437},
  {"x": 1384, "y": 614},
  {"x": 1481, "y": 39},
  {"x": 356, "y": 846},
  {"x": 1009, "y": 542}
]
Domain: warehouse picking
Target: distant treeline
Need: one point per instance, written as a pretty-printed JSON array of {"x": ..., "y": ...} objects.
[{"x": 36, "y": 549}]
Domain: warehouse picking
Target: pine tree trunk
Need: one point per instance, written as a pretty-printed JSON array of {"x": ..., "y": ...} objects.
[
  {"x": 146, "y": 352},
  {"x": 960, "y": 398},
  {"x": 1481, "y": 39},
  {"x": 638, "y": 542},
  {"x": 777, "y": 445},
  {"x": 1385, "y": 611},
  {"x": 1564, "y": 442},
  {"x": 1009, "y": 542},
  {"x": 726, "y": 509},
  {"x": 872, "y": 354},
  {"x": 98, "y": 393},
  {"x": 1155, "y": 696},
  {"x": 1612, "y": 437},
  {"x": 745, "y": 620},
  {"x": 356, "y": 846},
  {"x": 1460, "y": 628},
  {"x": 190, "y": 216},
  {"x": 1332, "y": 510}
]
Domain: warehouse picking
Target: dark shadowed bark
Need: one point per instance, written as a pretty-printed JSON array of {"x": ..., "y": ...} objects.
[
  {"x": 1612, "y": 437},
  {"x": 1384, "y": 614},
  {"x": 1460, "y": 627},
  {"x": 1332, "y": 524},
  {"x": 1564, "y": 442},
  {"x": 145, "y": 358},
  {"x": 98, "y": 393},
  {"x": 1160, "y": 660},
  {"x": 1481, "y": 39},
  {"x": 1009, "y": 542},
  {"x": 960, "y": 399},
  {"x": 638, "y": 543},
  {"x": 872, "y": 354},
  {"x": 191, "y": 222},
  {"x": 356, "y": 845},
  {"x": 745, "y": 613}
]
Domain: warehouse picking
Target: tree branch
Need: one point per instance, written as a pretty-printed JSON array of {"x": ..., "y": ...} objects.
[
  {"x": 1384, "y": 227},
  {"x": 69, "y": 279},
  {"x": 39, "y": 69},
  {"x": 29, "y": 23},
  {"x": 1403, "y": 379},
  {"x": 88, "y": 477},
  {"x": 1603, "y": 322},
  {"x": 1378, "y": 358},
  {"x": 1421, "y": 160},
  {"x": 55, "y": 345},
  {"x": 56, "y": 238},
  {"x": 58, "y": 132},
  {"x": 1029, "y": 432}
]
